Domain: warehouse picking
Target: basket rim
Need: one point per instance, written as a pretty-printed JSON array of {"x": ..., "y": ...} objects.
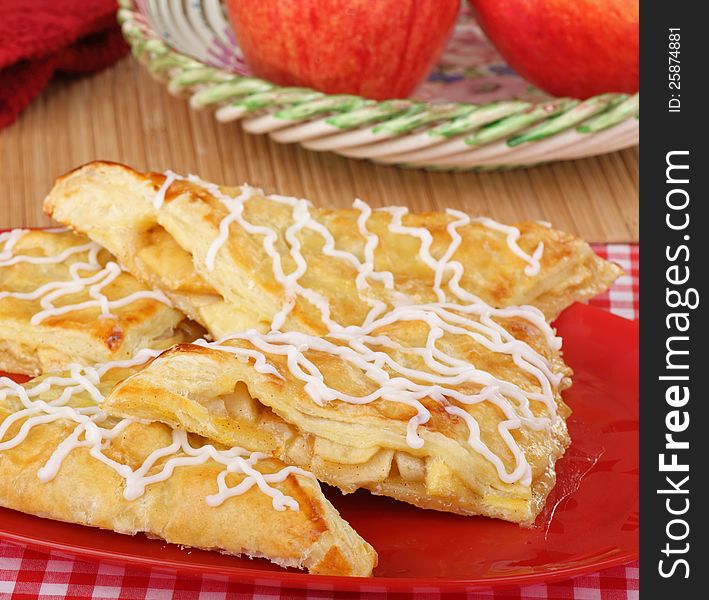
[{"x": 514, "y": 122}]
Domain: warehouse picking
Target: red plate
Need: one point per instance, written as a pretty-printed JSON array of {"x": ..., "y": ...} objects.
[{"x": 591, "y": 521}]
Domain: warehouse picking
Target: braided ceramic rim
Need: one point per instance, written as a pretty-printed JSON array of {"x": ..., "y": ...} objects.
[{"x": 410, "y": 133}]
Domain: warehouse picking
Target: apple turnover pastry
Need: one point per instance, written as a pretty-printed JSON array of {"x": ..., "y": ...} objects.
[
  {"x": 449, "y": 407},
  {"x": 235, "y": 258},
  {"x": 64, "y": 299},
  {"x": 62, "y": 457}
]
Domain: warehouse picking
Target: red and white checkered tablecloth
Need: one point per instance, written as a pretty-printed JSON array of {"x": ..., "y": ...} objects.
[{"x": 28, "y": 574}]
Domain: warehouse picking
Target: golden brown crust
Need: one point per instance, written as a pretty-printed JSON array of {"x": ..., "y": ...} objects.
[
  {"x": 221, "y": 396},
  {"x": 88, "y": 492},
  {"x": 80, "y": 335},
  {"x": 241, "y": 292},
  {"x": 168, "y": 246}
]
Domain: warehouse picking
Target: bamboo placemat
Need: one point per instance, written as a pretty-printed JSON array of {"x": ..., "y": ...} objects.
[{"x": 124, "y": 116}]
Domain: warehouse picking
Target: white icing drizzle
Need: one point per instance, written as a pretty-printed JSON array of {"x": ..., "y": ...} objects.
[
  {"x": 522, "y": 472},
  {"x": 302, "y": 218},
  {"x": 254, "y": 477},
  {"x": 358, "y": 346},
  {"x": 396, "y": 226},
  {"x": 513, "y": 234},
  {"x": 50, "y": 292},
  {"x": 89, "y": 433},
  {"x": 236, "y": 207},
  {"x": 159, "y": 199},
  {"x": 394, "y": 381},
  {"x": 9, "y": 239},
  {"x": 7, "y": 258},
  {"x": 365, "y": 270}
]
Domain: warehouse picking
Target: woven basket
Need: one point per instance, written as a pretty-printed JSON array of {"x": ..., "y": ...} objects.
[{"x": 472, "y": 113}]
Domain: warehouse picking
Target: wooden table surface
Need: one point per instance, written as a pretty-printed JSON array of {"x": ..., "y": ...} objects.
[{"x": 123, "y": 115}]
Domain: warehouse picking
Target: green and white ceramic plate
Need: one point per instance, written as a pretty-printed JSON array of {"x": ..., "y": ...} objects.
[{"x": 473, "y": 112}]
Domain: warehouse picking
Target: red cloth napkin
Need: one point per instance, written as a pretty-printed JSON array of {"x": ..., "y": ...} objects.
[{"x": 41, "y": 37}]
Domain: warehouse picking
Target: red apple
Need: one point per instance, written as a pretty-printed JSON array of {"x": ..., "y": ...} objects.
[
  {"x": 374, "y": 48},
  {"x": 576, "y": 48}
]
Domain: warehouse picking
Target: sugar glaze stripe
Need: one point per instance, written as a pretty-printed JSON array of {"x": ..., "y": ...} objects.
[{"x": 90, "y": 434}]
